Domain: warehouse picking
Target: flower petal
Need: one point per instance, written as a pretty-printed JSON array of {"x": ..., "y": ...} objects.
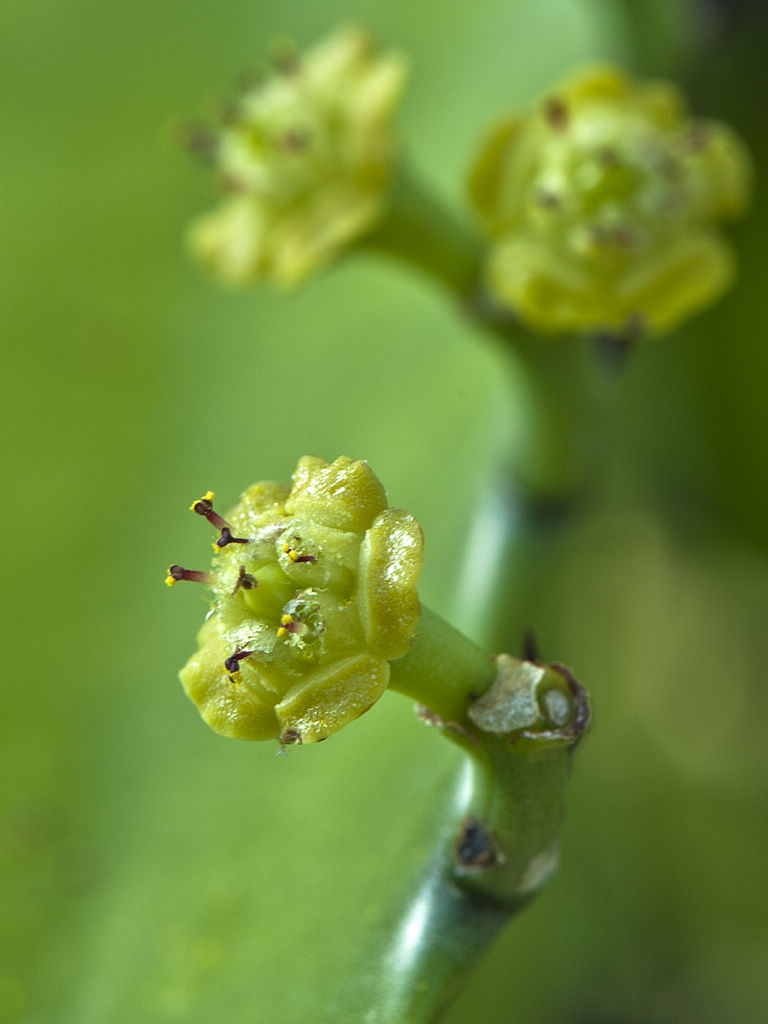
[
  {"x": 330, "y": 698},
  {"x": 391, "y": 559},
  {"x": 345, "y": 494}
]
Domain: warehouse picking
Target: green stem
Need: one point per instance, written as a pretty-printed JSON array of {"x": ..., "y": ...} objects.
[
  {"x": 450, "y": 920},
  {"x": 443, "y": 670},
  {"x": 557, "y": 385},
  {"x": 554, "y": 468},
  {"x": 649, "y": 36},
  {"x": 557, "y": 379},
  {"x": 501, "y": 841},
  {"x": 422, "y": 232}
]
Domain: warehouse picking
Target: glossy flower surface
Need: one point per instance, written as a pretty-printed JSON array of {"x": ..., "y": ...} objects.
[
  {"x": 305, "y": 159},
  {"x": 602, "y": 204},
  {"x": 314, "y": 592}
]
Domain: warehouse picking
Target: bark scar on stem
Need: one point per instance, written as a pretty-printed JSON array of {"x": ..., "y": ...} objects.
[
  {"x": 476, "y": 849},
  {"x": 432, "y": 718}
]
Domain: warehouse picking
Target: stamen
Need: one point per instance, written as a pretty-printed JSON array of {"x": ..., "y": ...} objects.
[
  {"x": 293, "y": 554},
  {"x": 232, "y": 663},
  {"x": 607, "y": 157},
  {"x": 227, "y": 538},
  {"x": 245, "y": 580},
  {"x": 285, "y": 56},
  {"x": 252, "y": 79},
  {"x": 204, "y": 507},
  {"x": 231, "y": 185},
  {"x": 698, "y": 137},
  {"x": 198, "y": 140},
  {"x": 556, "y": 113},
  {"x": 547, "y": 200},
  {"x": 291, "y": 625},
  {"x": 295, "y": 140},
  {"x": 177, "y": 573}
]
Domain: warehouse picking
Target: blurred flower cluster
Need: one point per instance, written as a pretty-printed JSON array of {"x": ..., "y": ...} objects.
[
  {"x": 602, "y": 205},
  {"x": 305, "y": 161}
]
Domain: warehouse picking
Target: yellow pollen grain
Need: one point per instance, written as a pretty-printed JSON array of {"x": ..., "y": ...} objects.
[{"x": 208, "y": 496}]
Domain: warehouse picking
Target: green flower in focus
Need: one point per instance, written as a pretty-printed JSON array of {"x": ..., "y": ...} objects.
[
  {"x": 603, "y": 204},
  {"x": 306, "y": 160},
  {"x": 314, "y": 592}
]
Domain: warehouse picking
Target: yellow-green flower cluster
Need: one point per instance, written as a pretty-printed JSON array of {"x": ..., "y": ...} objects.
[
  {"x": 314, "y": 592},
  {"x": 603, "y": 203},
  {"x": 306, "y": 160}
]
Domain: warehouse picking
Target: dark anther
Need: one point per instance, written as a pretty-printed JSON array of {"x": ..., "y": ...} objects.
[
  {"x": 285, "y": 57},
  {"x": 290, "y": 736},
  {"x": 245, "y": 580},
  {"x": 230, "y": 184},
  {"x": 547, "y": 200},
  {"x": 294, "y": 555},
  {"x": 198, "y": 140},
  {"x": 227, "y": 538},
  {"x": 698, "y": 137},
  {"x": 295, "y": 140},
  {"x": 204, "y": 507},
  {"x": 607, "y": 157},
  {"x": 556, "y": 113},
  {"x": 227, "y": 111},
  {"x": 251, "y": 79},
  {"x": 177, "y": 573},
  {"x": 232, "y": 664}
]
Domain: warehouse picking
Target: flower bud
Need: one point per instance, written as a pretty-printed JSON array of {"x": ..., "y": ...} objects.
[
  {"x": 305, "y": 159},
  {"x": 312, "y": 597},
  {"x": 602, "y": 203}
]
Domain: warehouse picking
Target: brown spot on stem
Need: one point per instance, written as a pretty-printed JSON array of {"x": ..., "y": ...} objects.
[
  {"x": 434, "y": 720},
  {"x": 530, "y": 647},
  {"x": 476, "y": 849}
]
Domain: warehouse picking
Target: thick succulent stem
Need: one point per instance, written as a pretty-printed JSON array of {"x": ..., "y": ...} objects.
[
  {"x": 517, "y": 722},
  {"x": 453, "y": 916},
  {"x": 423, "y": 232}
]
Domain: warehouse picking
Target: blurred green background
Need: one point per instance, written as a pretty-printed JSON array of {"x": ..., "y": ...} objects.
[{"x": 153, "y": 872}]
